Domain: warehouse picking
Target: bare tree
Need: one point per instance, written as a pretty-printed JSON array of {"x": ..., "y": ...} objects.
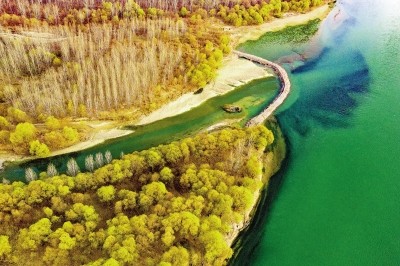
[
  {"x": 108, "y": 156},
  {"x": 30, "y": 175},
  {"x": 89, "y": 163},
  {"x": 51, "y": 170},
  {"x": 72, "y": 167},
  {"x": 99, "y": 160}
]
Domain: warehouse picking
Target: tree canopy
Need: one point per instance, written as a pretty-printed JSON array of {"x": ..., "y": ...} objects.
[{"x": 175, "y": 204}]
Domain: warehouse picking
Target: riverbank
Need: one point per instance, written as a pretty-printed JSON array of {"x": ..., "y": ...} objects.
[
  {"x": 234, "y": 72},
  {"x": 271, "y": 163},
  {"x": 103, "y": 130},
  {"x": 247, "y": 33}
]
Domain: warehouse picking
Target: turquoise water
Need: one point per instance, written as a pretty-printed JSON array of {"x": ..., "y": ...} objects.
[
  {"x": 252, "y": 98},
  {"x": 336, "y": 201}
]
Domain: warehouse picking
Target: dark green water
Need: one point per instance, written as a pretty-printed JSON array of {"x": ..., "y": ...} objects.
[
  {"x": 252, "y": 97},
  {"x": 337, "y": 199}
]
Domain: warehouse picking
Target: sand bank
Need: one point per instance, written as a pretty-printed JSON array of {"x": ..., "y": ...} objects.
[{"x": 233, "y": 73}]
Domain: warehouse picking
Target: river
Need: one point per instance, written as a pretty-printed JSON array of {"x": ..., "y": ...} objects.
[
  {"x": 252, "y": 97},
  {"x": 336, "y": 201}
]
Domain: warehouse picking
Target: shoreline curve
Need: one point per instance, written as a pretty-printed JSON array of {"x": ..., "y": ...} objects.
[{"x": 283, "y": 93}]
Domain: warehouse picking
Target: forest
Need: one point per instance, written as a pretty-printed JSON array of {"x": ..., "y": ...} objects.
[
  {"x": 67, "y": 62},
  {"x": 175, "y": 204}
]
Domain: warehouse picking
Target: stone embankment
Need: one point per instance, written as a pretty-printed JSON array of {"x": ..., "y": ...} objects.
[{"x": 284, "y": 90}]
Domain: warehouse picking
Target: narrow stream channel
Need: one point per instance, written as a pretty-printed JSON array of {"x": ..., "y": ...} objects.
[{"x": 253, "y": 97}]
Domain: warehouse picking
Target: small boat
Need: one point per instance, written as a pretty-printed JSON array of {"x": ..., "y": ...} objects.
[
  {"x": 198, "y": 91},
  {"x": 230, "y": 108}
]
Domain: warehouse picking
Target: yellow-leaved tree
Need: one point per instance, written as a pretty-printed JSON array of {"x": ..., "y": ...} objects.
[
  {"x": 36, "y": 148},
  {"x": 24, "y": 133}
]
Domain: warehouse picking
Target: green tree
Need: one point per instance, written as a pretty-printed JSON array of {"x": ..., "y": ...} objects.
[
  {"x": 17, "y": 115},
  {"x": 38, "y": 149},
  {"x": 168, "y": 236},
  {"x": 172, "y": 153},
  {"x": 111, "y": 262},
  {"x": 242, "y": 198},
  {"x": 4, "y": 124},
  {"x": 52, "y": 123},
  {"x": 176, "y": 256},
  {"x": 128, "y": 200},
  {"x": 153, "y": 159},
  {"x": 37, "y": 233},
  {"x": 166, "y": 175},
  {"x": 151, "y": 193},
  {"x": 55, "y": 139},
  {"x": 217, "y": 250},
  {"x": 126, "y": 253},
  {"x": 23, "y": 134},
  {"x": 83, "y": 213},
  {"x": 185, "y": 223},
  {"x": 5, "y": 247},
  {"x": 183, "y": 12},
  {"x": 70, "y": 134},
  {"x": 106, "y": 193}
]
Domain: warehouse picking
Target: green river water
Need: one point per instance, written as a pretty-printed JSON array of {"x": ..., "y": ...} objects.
[
  {"x": 336, "y": 201},
  {"x": 253, "y": 97}
]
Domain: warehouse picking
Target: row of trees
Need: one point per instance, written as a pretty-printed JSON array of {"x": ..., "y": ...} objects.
[
  {"x": 56, "y": 10},
  {"x": 170, "y": 205},
  {"x": 245, "y": 14},
  {"x": 237, "y": 12}
]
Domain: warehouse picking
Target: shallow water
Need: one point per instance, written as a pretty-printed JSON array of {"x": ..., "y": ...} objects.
[{"x": 337, "y": 199}]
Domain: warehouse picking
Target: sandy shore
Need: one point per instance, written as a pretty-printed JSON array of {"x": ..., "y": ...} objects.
[
  {"x": 97, "y": 138},
  {"x": 233, "y": 73}
]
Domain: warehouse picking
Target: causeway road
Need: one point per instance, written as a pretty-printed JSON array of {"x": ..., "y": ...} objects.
[{"x": 283, "y": 93}]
